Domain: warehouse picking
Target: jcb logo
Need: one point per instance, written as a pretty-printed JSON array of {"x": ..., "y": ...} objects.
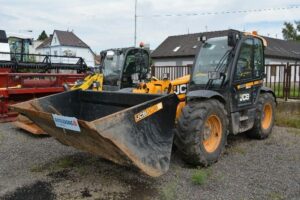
[
  {"x": 180, "y": 89},
  {"x": 148, "y": 111},
  {"x": 245, "y": 97},
  {"x": 141, "y": 116}
]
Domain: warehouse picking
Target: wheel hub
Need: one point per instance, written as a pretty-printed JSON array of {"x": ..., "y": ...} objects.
[
  {"x": 212, "y": 133},
  {"x": 266, "y": 117}
]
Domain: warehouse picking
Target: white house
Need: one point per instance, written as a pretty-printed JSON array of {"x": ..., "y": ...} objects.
[{"x": 66, "y": 43}]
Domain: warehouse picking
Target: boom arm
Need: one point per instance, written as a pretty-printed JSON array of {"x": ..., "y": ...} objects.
[{"x": 92, "y": 81}]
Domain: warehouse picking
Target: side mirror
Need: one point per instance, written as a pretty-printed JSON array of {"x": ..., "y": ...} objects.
[
  {"x": 110, "y": 55},
  {"x": 203, "y": 38},
  {"x": 233, "y": 37},
  {"x": 214, "y": 75}
]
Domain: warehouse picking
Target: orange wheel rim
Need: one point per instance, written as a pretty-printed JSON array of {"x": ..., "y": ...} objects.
[
  {"x": 212, "y": 133},
  {"x": 267, "y": 115}
]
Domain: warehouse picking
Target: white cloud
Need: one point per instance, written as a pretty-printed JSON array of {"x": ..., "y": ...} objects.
[{"x": 105, "y": 24}]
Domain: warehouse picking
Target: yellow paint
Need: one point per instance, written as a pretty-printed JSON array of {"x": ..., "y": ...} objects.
[
  {"x": 249, "y": 84},
  {"x": 213, "y": 127},
  {"x": 267, "y": 119},
  {"x": 92, "y": 81},
  {"x": 257, "y": 36},
  {"x": 156, "y": 86}
]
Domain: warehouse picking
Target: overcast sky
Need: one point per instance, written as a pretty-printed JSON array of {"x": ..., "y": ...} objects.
[{"x": 106, "y": 24}]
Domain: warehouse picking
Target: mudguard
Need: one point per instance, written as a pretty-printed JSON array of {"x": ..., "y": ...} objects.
[{"x": 207, "y": 94}]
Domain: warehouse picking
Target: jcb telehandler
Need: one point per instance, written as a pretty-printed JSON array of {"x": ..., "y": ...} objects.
[
  {"x": 119, "y": 69},
  {"x": 225, "y": 95}
]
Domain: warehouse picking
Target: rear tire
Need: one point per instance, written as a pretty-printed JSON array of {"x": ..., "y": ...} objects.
[
  {"x": 265, "y": 115},
  {"x": 201, "y": 132}
]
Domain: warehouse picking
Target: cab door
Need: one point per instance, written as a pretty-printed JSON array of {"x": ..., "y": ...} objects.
[{"x": 248, "y": 74}]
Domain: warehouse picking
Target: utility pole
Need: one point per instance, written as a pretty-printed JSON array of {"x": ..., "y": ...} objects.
[{"x": 135, "y": 20}]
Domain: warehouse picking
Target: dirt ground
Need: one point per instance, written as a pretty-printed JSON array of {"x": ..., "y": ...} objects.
[{"x": 40, "y": 168}]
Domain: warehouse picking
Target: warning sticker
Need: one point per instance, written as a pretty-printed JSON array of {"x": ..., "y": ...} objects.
[
  {"x": 148, "y": 111},
  {"x": 64, "y": 122}
]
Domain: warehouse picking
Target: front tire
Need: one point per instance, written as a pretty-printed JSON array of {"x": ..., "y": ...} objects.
[
  {"x": 201, "y": 132},
  {"x": 265, "y": 116}
]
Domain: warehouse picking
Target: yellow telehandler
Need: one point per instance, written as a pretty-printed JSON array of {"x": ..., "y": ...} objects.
[{"x": 223, "y": 95}]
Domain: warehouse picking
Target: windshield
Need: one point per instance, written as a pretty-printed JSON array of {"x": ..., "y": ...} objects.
[
  {"x": 112, "y": 68},
  {"x": 212, "y": 57}
]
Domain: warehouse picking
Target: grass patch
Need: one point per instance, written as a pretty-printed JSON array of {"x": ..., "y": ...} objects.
[
  {"x": 64, "y": 163},
  {"x": 82, "y": 170},
  {"x": 168, "y": 192},
  {"x": 78, "y": 163},
  {"x": 59, "y": 164},
  {"x": 275, "y": 196},
  {"x": 200, "y": 176},
  {"x": 37, "y": 168},
  {"x": 287, "y": 121},
  {"x": 278, "y": 89}
]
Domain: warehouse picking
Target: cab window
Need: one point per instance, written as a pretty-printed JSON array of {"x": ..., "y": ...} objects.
[
  {"x": 245, "y": 61},
  {"x": 258, "y": 58}
]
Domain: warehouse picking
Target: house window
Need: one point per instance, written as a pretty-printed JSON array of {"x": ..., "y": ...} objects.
[
  {"x": 176, "y": 49},
  {"x": 55, "y": 40},
  {"x": 55, "y": 53},
  {"x": 69, "y": 53}
]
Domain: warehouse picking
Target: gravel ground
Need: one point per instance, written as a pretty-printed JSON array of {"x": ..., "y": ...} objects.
[{"x": 41, "y": 168}]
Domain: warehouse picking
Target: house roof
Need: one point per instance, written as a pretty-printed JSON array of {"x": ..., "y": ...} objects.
[
  {"x": 46, "y": 42},
  {"x": 66, "y": 38},
  {"x": 189, "y": 44}
]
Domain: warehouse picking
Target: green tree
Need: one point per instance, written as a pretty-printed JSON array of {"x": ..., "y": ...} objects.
[
  {"x": 43, "y": 36},
  {"x": 291, "y": 31}
]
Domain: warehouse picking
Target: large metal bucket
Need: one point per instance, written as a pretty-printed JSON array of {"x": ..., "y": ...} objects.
[{"x": 126, "y": 128}]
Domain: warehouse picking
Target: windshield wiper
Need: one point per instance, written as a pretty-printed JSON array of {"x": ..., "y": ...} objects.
[{"x": 219, "y": 67}]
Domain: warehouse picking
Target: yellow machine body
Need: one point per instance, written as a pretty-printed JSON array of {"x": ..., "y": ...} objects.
[{"x": 93, "y": 82}]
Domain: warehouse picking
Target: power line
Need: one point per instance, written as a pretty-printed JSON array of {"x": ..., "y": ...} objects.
[{"x": 223, "y": 12}]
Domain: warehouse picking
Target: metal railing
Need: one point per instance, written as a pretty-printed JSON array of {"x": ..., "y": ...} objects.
[
  {"x": 174, "y": 72},
  {"x": 284, "y": 79}
]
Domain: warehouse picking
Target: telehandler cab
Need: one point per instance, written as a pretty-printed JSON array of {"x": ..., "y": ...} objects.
[
  {"x": 225, "y": 95},
  {"x": 119, "y": 68}
]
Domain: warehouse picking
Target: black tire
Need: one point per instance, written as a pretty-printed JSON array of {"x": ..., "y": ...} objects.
[
  {"x": 189, "y": 133},
  {"x": 258, "y": 131}
]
